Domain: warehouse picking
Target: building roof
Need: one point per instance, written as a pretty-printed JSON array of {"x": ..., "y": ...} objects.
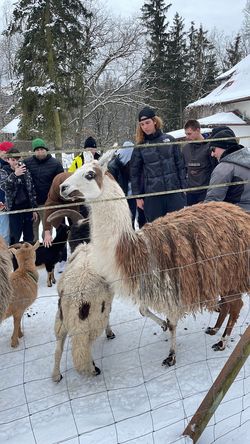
[
  {"x": 235, "y": 86},
  {"x": 217, "y": 119},
  {"x": 11, "y": 127}
]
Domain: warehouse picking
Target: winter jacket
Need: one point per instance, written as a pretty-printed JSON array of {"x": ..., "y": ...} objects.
[
  {"x": 199, "y": 164},
  {"x": 162, "y": 168},
  {"x": 15, "y": 186},
  {"x": 81, "y": 159},
  {"x": 3, "y": 163},
  {"x": 54, "y": 198},
  {"x": 43, "y": 172},
  {"x": 233, "y": 167}
]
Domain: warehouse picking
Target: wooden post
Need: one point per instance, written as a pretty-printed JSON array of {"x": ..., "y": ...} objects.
[{"x": 219, "y": 388}]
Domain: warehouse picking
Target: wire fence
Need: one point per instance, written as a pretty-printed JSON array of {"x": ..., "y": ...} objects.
[{"x": 134, "y": 400}]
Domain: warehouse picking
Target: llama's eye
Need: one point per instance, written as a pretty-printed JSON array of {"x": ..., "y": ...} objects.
[{"x": 90, "y": 175}]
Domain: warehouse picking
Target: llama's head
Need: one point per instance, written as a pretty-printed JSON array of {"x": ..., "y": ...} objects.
[{"x": 85, "y": 183}]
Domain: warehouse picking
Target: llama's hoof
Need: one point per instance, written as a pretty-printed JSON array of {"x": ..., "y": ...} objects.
[
  {"x": 49, "y": 284},
  {"x": 110, "y": 335},
  {"x": 20, "y": 334},
  {"x": 170, "y": 360},
  {"x": 164, "y": 326},
  {"x": 219, "y": 346},
  {"x": 97, "y": 371},
  {"x": 57, "y": 378},
  {"x": 14, "y": 343},
  {"x": 210, "y": 331}
]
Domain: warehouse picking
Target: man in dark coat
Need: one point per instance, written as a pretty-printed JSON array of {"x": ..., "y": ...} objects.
[
  {"x": 161, "y": 167},
  {"x": 17, "y": 184},
  {"x": 198, "y": 161},
  {"x": 43, "y": 168}
]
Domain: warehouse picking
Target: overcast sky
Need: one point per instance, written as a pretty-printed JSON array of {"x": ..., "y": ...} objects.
[{"x": 226, "y": 15}]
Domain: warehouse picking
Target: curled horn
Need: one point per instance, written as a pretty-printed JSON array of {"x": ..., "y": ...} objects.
[{"x": 75, "y": 216}]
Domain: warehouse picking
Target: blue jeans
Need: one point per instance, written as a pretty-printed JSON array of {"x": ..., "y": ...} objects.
[{"x": 4, "y": 227}]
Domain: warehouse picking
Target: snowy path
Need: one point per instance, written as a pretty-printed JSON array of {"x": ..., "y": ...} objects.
[{"x": 134, "y": 399}]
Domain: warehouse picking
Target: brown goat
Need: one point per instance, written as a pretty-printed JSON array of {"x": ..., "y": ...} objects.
[
  {"x": 24, "y": 282},
  {"x": 6, "y": 293}
]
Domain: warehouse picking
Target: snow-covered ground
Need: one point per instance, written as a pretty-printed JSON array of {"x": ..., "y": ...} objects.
[{"x": 135, "y": 400}]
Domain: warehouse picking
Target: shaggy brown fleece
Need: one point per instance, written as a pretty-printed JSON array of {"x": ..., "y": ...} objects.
[
  {"x": 203, "y": 250},
  {"x": 6, "y": 294}
]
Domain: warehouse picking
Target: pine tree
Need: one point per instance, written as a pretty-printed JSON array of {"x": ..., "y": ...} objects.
[
  {"x": 176, "y": 67},
  {"x": 234, "y": 52},
  {"x": 202, "y": 67},
  {"x": 52, "y": 58},
  {"x": 154, "y": 70}
]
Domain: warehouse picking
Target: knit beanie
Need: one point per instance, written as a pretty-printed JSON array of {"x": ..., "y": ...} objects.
[
  {"x": 146, "y": 113},
  {"x": 38, "y": 143},
  {"x": 6, "y": 145},
  {"x": 222, "y": 133},
  {"x": 90, "y": 143}
]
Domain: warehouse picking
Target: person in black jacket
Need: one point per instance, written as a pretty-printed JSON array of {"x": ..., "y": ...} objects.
[
  {"x": 162, "y": 167},
  {"x": 198, "y": 161},
  {"x": 43, "y": 168},
  {"x": 16, "y": 182}
]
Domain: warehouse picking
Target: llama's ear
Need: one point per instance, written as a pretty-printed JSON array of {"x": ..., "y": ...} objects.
[
  {"x": 105, "y": 158},
  {"x": 37, "y": 245},
  {"x": 12, "y": 250}
]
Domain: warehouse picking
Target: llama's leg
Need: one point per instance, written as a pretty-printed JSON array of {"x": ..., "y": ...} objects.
[
  {"x": 17, "y": 321},
  {"x": 234, "y": 311},
  {"x": 61, "y": 334},
  {"x": 82, "y": 357},
  {"x": 53, "y": 279},
  {"x": 20, "y": 333},
  {"x": 171, "y": 359},
  {"x": 223, "y": 312},
  {"x": 144, "y": 310},
  {"x": 49, "y": 279},
  {"x": 109, "y": 332}
]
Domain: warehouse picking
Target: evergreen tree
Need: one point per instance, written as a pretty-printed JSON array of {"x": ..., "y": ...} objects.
[
  {"x": 154, "y": 71},
  {"x": 50, "y": 63},
  {"x": 176, "y": 67},
  {"x": 202, "y": 67},
  {"x": 234, "y": 52}
]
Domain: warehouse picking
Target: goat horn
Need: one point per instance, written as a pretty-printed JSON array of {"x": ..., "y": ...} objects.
[{"x": 75, "y": 216}]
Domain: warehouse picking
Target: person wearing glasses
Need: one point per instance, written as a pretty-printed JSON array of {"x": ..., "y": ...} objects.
[{"x": 234, "y": 166}]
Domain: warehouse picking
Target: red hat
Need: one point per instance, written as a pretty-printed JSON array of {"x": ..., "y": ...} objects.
[{"x": 5, "y": 146}]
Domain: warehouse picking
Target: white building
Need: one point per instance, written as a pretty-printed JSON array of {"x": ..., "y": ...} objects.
[{"x": 228, "y": 104}]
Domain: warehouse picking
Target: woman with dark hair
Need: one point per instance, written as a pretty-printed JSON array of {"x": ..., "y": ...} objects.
[{"x": 162, "y": 167}]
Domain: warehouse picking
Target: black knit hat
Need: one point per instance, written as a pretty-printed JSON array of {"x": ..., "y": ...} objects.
[
  {"x": 146, "y": 113},
  {"x": 90, "y": 142},
  {"x": 222, "y": 132}
]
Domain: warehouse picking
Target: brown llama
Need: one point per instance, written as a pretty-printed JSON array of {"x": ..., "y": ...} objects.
[{"x": 193, "y": 259}]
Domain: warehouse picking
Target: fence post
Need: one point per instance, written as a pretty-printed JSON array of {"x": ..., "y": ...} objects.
[{"x": 219, "y": 388}]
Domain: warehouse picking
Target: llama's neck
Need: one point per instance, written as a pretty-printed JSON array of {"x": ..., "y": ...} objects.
[{"x": 110, "y": 220}]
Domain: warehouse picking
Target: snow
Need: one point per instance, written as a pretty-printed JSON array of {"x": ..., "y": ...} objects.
[
  {"x": 134, "y": 400},
  {"x": 236, "y": 86},
  {"x": 11, "y": 127}
]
